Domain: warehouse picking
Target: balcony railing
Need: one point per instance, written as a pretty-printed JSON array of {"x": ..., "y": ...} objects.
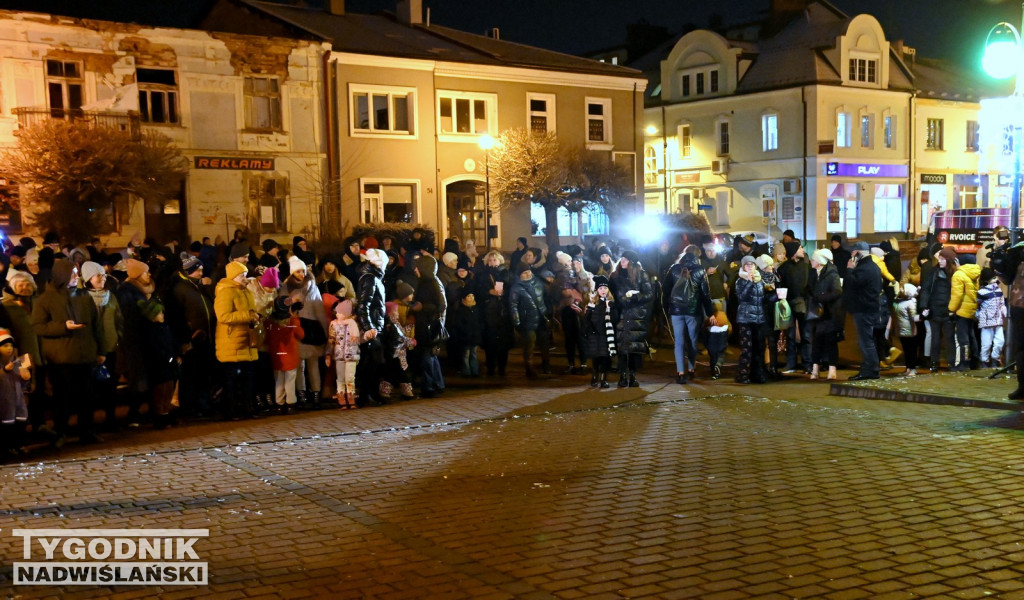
[{"x": 122, "y": 121}]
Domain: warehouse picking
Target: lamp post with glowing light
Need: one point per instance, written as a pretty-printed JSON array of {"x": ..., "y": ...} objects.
[
  {"x": 1004, "y": 58},
  {"x": 486, "y": 142}
]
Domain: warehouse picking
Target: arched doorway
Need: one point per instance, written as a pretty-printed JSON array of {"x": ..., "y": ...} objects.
[{"x": 465, "y": 209}]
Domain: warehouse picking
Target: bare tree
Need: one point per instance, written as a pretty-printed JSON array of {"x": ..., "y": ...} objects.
[
  {"x": 76, "y": 173},
  {"x": 530, "y": 167}
]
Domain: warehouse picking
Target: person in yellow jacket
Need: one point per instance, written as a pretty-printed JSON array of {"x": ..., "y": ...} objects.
[
  {"x": 236, "y": 347},
  {"x": 963, "y": 304},
  {"x": 885, "y": 348}
]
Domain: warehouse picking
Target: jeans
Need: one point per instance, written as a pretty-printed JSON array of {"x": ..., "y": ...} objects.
[
  {"x": 865, "y": 324},
  {"x": 942, "y": 330},
  {"x": 685, "y": 328},
  {"x": 470, "y": 364},
  {"x": 430, "y": 371},
  {"x": 991, "y": 343}
]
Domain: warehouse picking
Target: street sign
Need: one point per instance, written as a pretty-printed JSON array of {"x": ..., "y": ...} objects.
[{"x": 705, "y": 207}]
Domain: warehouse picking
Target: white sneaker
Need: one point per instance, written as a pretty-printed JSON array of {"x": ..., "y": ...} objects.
[{"x": 911, "y": 373}]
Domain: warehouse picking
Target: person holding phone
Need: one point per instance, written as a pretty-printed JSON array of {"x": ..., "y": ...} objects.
[
  {"x": 492, "y": 287},
  {"x": 66, "y": 326}
]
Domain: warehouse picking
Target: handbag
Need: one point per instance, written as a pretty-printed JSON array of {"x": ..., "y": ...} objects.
[
  {"x": 437, "y": 334},
  {"x": 313, "y": 332}
]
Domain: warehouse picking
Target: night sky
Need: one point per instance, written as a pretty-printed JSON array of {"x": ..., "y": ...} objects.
[{"x": 951, "y": 29}]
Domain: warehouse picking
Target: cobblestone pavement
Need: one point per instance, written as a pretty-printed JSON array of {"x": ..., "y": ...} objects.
[{"x": 710, "y": 492}]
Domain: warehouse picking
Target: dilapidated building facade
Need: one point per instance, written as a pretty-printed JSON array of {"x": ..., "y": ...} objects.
[{"x": 246, "y": 111}]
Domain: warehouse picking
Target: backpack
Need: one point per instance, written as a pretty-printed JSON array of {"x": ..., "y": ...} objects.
[{"x": 683, "y": 295}]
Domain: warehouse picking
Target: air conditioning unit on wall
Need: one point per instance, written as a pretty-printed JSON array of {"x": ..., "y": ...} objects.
[
  {"x": 720, "y": 166},
  {"x": 791, "y": 186}
]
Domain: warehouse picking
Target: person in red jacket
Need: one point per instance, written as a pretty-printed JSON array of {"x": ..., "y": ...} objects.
[{"x": 284, "y": 331}]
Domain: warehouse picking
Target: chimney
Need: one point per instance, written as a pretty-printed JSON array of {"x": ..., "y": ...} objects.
[
  {"x": 410, "y": 11},
  {"x": 494, "y": 33},
  {"x": 336, "y": 7}
]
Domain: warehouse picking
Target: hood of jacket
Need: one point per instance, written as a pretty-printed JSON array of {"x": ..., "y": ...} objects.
[
  {"x": 60, "y": 276},
  {"x": 973, "y": 272},
  {"x": 690, "y": 262},
  {"x": 427, "y": 265}
]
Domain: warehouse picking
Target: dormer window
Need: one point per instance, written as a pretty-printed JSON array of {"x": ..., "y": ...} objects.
[
  {"x": 864, "y": 70},
  {"x": 702, "y": 81}
]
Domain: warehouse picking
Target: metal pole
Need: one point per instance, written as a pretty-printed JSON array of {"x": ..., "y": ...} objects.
[{"x": 487, "y": 201}]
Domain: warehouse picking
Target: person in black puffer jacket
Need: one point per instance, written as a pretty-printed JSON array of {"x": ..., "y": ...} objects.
[
  {"x": 492, "y": 287},
  {"x": 633, "y": 291},
  {"x": 793, "y": 275},
  {"x": 687, "y": 307},
  {"x": 370, "y": 312},
  {"x": 933, "y": 304},
  {"x": 750, "y": 318},
  {"x": 531, "y": 318}
]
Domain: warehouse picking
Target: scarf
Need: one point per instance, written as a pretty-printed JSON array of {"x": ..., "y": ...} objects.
[{"x": 99, "y": 297}]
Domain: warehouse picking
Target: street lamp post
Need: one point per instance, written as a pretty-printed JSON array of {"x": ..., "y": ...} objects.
[
  {"x": 486, "y": 142},
  {"x": 1004, "y": 58}
]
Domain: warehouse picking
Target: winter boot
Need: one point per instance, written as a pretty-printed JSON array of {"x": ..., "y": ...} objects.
[
  {"x": 593, "y": 379},
  {"x": 604, "y": 380},
  {"x": 623, "y": 378},
  {"x": 632, "y": 379},
  {"x": 815, "y": 371},
  {"x": 314, "y": 400}
]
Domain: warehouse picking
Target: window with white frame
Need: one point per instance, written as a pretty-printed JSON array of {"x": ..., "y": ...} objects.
[
  {"x": 650, "y": 165},
  {"x": 934, "y": 134},
  {"x": 466, "y": 114},
  {"x": 685, "y": 150},
  {"x": 540, "y": 109},
  {"x": 158, "y": 95},
  {"x": 64, "y": 86},
  {"x": 592, "y": 220},
  {"x": 263, "y": 102},
  {"x": 770, "y": 132},
  {"x": 890, "y": 131},
  {"x": 723, "y": 137},
  {"x": 867, "y": 127},
  {"x": 268, "y": 198},
  {"x": 864, "y": 70},
  {"x": 388, "y": 202},
  {"x": 599, "y": 120},
  {"x": 378, "y": 110},
  {"x": 843, "y": 129},
  {"x": 973, "y": 136}
]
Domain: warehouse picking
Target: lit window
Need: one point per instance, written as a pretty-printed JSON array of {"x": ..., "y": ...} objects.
[
  {"x": 158, "y": 95},
  {"x": 388, "y": 202},
  {"x": 933, "y": 139},
  {"x": 867, "y": 124},
  {"x": 466, "y": 115},
  {"x": 650, "y": 165},
  {"x": 770, "y": 132},
  {"x": 383, "y": 111},
  {"x": 263, "y": 103},
  {"x": 973, "y": 136},
  {"x": 843, "y": 130},
  {"x": 684, "y": 141}
]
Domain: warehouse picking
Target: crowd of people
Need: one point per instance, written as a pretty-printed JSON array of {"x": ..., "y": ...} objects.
[{"x": 240, "y": 330}]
